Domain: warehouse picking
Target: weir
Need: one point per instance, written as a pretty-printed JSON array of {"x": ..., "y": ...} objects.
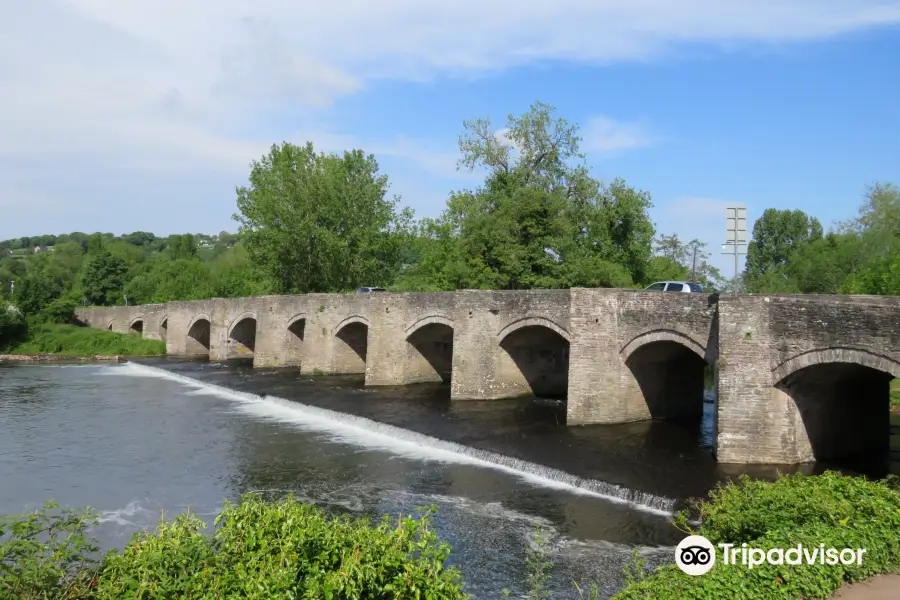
[
  {"x": 613, "y": 356},
  {"x": 366, "y": 432}
]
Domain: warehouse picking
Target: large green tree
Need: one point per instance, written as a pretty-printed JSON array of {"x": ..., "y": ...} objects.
[
  {"x": 539, "y": 220},
  {"x": 777, "y": 234},
  {"x": 318, "y": 222},
  {"x": 103, "y": 278}
]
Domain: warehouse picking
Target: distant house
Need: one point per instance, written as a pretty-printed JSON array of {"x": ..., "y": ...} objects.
[{"x": 43, "y": 249}]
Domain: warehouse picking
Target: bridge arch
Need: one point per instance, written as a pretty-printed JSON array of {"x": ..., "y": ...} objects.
[
  {"x": 534, "y": 321},
  {"x": 848, "y": 355},
  {"x": 242, "y": 335},
  {"x": 842, "y": 398},
  {"x": 359, "y": 319},
  {"x": 669, "y": 365},
  {"x": 668, "y": 333},
  {"x": 351, "y": 342},
  {"x": 163, "y": 327},
  {"x": 197, "y": 342},
  {"x": 429, "y": 350},
  {"x": 137, "y": 325},
  {"x": 429, "y": 320},
  {"x": 109, "y": 326},
  {"x": 535, "y": 357}
]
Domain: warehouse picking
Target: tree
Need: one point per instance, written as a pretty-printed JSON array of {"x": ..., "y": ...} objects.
[
  {"x": 539, "y": 220},
  {"x": 320, "y": 223},
  {"x": 166, "y": 280},
  {"x": 36, "y": 291},
  {"x": 677, "y": 260},
  {"x": 103, "y": 278},
  {"x": 776, "y": 236},
  {"x": 182, "y": 246}
]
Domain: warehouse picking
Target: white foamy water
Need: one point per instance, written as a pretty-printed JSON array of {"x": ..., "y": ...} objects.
[{"x": 360, "y": 431}]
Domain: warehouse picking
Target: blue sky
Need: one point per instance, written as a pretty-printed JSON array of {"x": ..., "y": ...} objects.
[{"x": 144, "y": 115}]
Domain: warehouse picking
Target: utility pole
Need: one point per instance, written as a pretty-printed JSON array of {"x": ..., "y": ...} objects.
[
  {"x": 694, "y": 264},
  {"x": 735, "y": 236}
]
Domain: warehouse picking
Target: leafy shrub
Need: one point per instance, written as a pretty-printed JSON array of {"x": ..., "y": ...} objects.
[
  {"x": 61, "y": 310},
  {"x": 45, "y": 554},
  {"x": 830, "y": 509},
  {"x": 13, "y": 327},
  {"x": 72, "y": 340},
  {"x": 260, "y": 551}
]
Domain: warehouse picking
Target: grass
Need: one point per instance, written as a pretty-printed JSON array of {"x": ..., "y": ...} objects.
[
  {"x": 72, "y": 340},
  {"x": 895, "y": 395}
]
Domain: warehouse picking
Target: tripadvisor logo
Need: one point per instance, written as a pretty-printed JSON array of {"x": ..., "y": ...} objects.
[{"x": 695, "y": 555}]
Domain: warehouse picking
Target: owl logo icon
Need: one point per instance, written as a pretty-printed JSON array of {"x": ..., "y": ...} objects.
[{"x": 695, "y": 555}]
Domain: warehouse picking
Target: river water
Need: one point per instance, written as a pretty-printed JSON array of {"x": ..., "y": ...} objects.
[{"x": 136, "y": 440}]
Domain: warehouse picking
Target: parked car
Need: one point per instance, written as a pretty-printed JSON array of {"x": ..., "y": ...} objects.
[
  {"x": 675, "y": 286},
  {"x": 366, "y": 290}
]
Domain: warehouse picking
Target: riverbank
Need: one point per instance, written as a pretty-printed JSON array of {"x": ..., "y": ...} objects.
[{"x": 47, "y": 342}]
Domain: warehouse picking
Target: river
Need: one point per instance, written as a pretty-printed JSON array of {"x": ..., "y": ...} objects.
[{"x": 136, "y": 440}]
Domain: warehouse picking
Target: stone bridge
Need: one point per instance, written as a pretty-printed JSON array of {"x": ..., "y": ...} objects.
[{"x": 798, "y": 378}]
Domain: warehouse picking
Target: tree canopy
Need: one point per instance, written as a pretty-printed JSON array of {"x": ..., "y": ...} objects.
[
  {"x": 318, "y": 222},
  {"x": 540, "y": 220}
]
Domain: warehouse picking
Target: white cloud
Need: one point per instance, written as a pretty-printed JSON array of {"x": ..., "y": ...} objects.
[
  {"x": 604, "y": 135},
  {"x": 165, "y": 87}
]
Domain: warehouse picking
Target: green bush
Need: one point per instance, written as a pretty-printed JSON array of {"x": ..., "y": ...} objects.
[
  {"x": 260, "y": 551},
  {"x": 61, "y": 310},
  {"x": 13, "y": 327},
  {"x": 73, "y": 340},
  {"x": 46, "y": 554},
  {"x": 830, "y": 509}
]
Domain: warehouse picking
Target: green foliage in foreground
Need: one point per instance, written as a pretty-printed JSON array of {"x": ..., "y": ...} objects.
[
  {"x": 260, "y": 551},
  {"x": 895, "y": 393},
  {"x": 73, "y": 340},
  {"x": 829, "y": 509}
]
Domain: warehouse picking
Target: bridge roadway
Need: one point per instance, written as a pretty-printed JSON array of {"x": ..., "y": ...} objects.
[{"x": 798, "y": 378}]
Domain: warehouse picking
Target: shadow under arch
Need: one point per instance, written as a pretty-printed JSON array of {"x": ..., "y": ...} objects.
[
  {"x": 669, "y": 366},
  {"x": 538, "y": 353},
  {"x": 242, "y": 335},
  {"x": 197, "y": 342},
  {"x": 842, "y": 396},
  {"x": 136, "y": 325},
  {"x": 430, "y": 350},
  {"x": 351, "y": 345},
  {"x": 294, "y": 335}
]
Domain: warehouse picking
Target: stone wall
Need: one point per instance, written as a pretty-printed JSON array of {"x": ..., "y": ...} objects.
[
  {"x": 619, "y": 339},
  {"x": 771, "y": 402},
  {"x": 615, "y": 355}
]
